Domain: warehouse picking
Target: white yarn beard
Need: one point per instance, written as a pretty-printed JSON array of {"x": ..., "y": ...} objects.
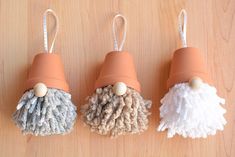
[
  {"x": 52, "y": 114},
  {"x": 192, "y": 113}
]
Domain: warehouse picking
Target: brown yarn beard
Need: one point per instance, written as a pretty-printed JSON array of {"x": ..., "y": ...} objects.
[{"x": 109, "y": 114}]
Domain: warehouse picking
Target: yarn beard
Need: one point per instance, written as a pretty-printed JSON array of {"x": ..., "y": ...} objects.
[
  {"x": 52, "y": 114},
  {"x": 191, "y": 113},
  {"x": 109, "y": 114}
]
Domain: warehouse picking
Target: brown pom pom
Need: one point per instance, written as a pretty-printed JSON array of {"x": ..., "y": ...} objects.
[{"x": 107, "y": 113}]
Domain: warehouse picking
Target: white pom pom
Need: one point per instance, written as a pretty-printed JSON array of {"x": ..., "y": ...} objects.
[
  {"x": 192, "y": 113},
  {"x": 40, "y": 89},
  {"x": 195, "y": 82},
  {"x": 119, "y": 88}
]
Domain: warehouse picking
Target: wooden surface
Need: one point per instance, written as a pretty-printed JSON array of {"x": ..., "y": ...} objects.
[{"x": 84, "y": 39}]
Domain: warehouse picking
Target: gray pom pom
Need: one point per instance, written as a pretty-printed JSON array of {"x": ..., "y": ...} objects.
[{"x": 52, "y": 114}]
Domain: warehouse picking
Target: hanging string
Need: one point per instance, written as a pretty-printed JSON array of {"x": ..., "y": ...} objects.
[
  {"x": 183, "y": 26},
  {"x": 116, "y": 46},
  {"x": 45, "y": 34}
]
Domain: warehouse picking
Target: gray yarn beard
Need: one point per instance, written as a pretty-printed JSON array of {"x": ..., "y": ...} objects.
[
  {"x": 109, "y": 114},
  {"x": 52, "y": 114}
]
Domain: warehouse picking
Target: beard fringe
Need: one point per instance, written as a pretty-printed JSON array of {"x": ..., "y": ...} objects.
[
  {"x": 192, "y": 113},
  {"x": 52, "y": 114},
  {"x": 107, "y": 113}
]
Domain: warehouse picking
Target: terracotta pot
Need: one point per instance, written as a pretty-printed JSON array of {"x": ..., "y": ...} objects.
[
  {"x": 187, "y": 63},
  {"x": 47, "y": 68},
  {"x": 118, "y": 67}
]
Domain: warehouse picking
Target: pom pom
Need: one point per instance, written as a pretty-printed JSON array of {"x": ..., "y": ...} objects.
[
  {"x": 52, "y": 114},
  {"x": 192, "y": 113},
  {"x": 109, "y": 114}
]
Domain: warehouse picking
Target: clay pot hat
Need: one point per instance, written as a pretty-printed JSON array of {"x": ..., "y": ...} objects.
[
  {"x": 187, "y": 62},
  {"x": 47, "y": 68},
  {"x": 118, "y": 66}
]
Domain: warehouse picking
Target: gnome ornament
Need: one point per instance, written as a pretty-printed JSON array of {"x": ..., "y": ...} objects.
[
  {"x": 116, "y": 106},
  {"x": 46, "y": 107},
  {"x": 191, "y": 107}
]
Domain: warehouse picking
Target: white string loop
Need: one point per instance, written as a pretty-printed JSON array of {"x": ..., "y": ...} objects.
[
  {"x": 120, "y": 47},
  {"x": 45, "y": 34},
  {"x": 183, "y": 26}
]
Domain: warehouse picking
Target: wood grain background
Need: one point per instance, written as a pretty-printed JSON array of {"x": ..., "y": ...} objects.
[{"x": 84, "y": 39}]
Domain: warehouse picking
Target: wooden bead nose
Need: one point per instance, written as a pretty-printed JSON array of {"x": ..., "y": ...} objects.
[
  {"x": 195, "y": 82},
  {"x": 119, "y": 88},
  {"x": 40, "y": 89}
]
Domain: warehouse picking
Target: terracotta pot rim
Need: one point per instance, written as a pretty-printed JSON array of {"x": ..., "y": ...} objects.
[
  {"x": 128, "y": 81},
  {"x": 38, "y": 80},
  {"x": 179, "y": 79}
]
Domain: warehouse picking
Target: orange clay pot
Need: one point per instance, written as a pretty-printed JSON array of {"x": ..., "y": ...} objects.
[
  {"x": 47, "y": 68},
  {"x": 118, "y": 67},
  {"x": 187, "y": 63}
]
